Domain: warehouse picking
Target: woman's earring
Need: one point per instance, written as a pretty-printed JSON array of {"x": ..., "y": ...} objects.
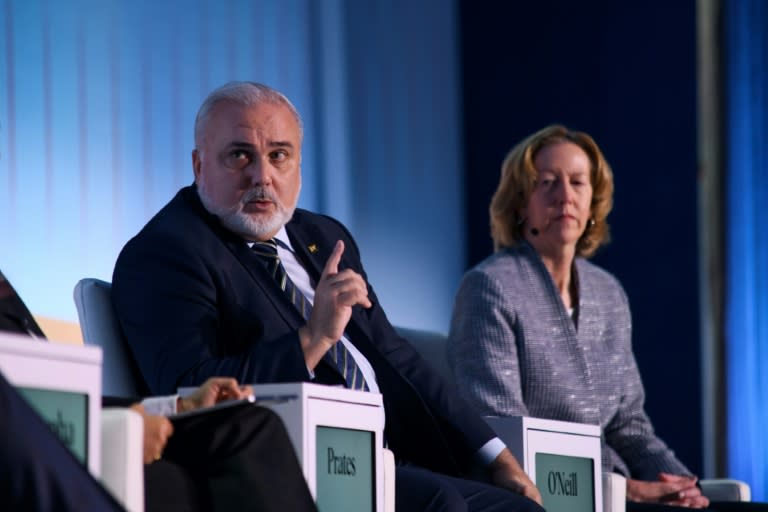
[
  {"x": 521, "y": 221},
  {"x": 591, "y": 223}
]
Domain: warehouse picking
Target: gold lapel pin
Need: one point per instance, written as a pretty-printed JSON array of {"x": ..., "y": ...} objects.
[{"x": 312, "y": 248}]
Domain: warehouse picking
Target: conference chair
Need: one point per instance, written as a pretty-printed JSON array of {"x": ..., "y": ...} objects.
[
  {"x": 99, "y": 324},
  {"x": 121, "y": 377},
  {"x": 432, "y": 347},
  {"x": 122, "y": 467}
]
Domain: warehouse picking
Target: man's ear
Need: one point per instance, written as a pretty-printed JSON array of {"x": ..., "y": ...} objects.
[{"x": 196, "y": 163}]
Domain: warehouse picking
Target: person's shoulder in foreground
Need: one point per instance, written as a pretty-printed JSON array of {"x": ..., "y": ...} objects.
[{"x": 37, "y": 472}]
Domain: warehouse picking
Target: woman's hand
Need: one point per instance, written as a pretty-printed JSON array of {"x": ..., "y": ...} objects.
[
  {"x": 213, "y": 391},
  {"x": 670, "y": 489},
  {"x": 157, "y": 430}
]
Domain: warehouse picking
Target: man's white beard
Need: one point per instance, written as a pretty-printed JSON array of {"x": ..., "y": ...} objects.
[{"x": 236, "y": 220}]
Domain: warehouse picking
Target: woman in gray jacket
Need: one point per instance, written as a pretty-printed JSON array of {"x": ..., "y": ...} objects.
[{"x": 537, "y": 330}]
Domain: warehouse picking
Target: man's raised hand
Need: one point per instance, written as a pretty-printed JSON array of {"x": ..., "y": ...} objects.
[{"x": 335, "y": 295}]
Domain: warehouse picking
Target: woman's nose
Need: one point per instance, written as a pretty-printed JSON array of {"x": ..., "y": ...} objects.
[{"x": 564, "y": 193}]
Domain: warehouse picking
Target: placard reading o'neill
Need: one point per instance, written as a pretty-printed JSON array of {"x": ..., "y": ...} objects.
[
  {"x": 345, "y": 473},
  {"x": 565, "y": 482}
]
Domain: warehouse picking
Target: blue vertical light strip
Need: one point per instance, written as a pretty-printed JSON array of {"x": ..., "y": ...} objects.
[
  {"x": 7, "y": 132},
  {"x": 28, "y": 126},
  {"x": 97, "y": 53},
  {"x": 64, "y": 238},
  {"x": 746, "y": 116},
  {"x": 328, "y": 62}
]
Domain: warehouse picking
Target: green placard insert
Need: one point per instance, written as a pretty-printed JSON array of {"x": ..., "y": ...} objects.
[
  {"x": 566, "y": 482},
  {"x": 345, "y": 470},
  {"x": 66, "y": 413}
]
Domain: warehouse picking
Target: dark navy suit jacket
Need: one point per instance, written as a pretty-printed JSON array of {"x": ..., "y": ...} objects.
[{"x": 194, "y": 302}]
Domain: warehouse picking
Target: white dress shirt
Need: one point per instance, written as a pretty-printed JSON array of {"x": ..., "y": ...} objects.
[{"x": 160, "y": 405}]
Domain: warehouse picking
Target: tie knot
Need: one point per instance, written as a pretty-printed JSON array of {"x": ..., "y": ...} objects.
[{"x": 268, "y": 248}]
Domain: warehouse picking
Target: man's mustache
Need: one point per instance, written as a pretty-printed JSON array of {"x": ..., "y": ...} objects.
[{"x": 258, "y": 194}]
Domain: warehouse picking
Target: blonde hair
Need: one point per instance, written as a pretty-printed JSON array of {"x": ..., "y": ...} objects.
[{"x": 518, "y": 178}]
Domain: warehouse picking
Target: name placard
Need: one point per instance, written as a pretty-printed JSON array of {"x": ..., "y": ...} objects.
[
  {"x": 345, "y": 472},
  {"x": 565, "y": 482},
  {"x": 66, "y": 413}
]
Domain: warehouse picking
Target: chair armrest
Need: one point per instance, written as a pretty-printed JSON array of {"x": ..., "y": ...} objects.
[
  {"x": 389, "y": 480},
  {"x": 716, "y": 489},
  {"x": 725, "y": 489},
  {"x": 122, "y": 449},
  {"x": 614, "y": 492}
]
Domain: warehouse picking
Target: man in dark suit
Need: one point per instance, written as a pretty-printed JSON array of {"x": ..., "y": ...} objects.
[{"x": 230, "y": 279}]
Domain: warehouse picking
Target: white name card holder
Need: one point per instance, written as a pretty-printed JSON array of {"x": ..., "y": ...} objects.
[
  {"x": 338, "y": 437},
  {"x": 562, "y": 458},
  {"x": 63, "y": 383}
]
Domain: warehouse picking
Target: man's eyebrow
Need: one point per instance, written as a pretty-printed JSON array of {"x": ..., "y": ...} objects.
[
  {"x": 240, "y": 144},
  {"x": 280, "y": 144},
  {"x": 272, "y": 144}
]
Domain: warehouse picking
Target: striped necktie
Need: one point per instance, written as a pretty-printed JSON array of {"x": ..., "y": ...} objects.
[{"x": 338, "y": 356}]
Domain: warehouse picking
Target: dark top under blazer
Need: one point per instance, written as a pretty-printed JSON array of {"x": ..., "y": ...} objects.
[{"x": 194, "y": 302}]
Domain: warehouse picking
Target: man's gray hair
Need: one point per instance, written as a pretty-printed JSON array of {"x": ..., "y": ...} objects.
[{"x": 246, "y": 94}]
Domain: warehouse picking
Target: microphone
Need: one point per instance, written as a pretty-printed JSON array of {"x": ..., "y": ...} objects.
[{"x": 534, "y": 232}]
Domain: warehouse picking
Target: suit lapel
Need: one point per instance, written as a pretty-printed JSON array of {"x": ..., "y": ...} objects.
[
  {"x": 588, "y": 301},
  {"x": 264, "y": 281},
  {"x": 312, "y": 249}
]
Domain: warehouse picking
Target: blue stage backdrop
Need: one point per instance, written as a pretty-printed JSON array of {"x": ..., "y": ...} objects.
[
  {"x": 746, "y": 116},
  {"x": 97, "y": 101}
]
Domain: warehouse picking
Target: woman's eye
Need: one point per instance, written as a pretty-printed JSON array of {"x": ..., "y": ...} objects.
[{"x": 584, "y": 182}]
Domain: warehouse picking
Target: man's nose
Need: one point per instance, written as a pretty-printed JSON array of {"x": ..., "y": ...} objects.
[{"x": 259, "y": 172}]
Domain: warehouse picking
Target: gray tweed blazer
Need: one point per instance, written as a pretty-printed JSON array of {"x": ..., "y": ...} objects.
[{"x": 514, "y": 350}]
